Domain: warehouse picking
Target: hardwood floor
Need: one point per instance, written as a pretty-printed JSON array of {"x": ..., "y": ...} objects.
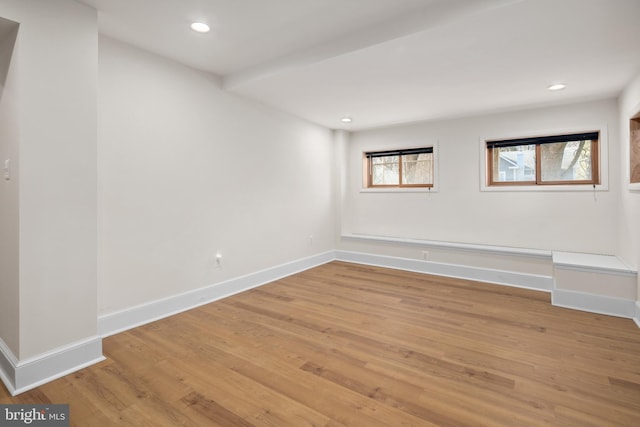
[{"x": 352, "y": 345}]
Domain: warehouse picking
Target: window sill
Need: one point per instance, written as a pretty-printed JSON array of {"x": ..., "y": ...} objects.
[
  {"x": 545, "y": 188},
  {"x": 399, "y": 190}
]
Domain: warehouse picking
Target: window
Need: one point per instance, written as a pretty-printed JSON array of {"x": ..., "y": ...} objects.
[
  {"x": 634, "y": 149},
  {"x": 399, "y": 168},
  {"x": 546, "y": 160}
]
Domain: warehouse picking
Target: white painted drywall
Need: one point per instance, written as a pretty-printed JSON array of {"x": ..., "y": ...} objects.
[
  {"x": 340, "y": 176},
  {"x": 186, "y": 170},
  {"x": 460, "y": 212},
  {"x": 9, "y": 221},
  {"x": 57, "y": 125},
  {"x": 629, "y": 217}
]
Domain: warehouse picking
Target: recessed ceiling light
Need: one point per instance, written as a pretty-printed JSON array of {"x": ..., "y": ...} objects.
[
  {"x": 557, "y": 86},
  {"x": 346, "y": 120},
  {"x": 200, "y": 27}
]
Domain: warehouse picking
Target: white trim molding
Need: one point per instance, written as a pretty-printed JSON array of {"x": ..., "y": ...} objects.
[
  {"x": 472, "y": 247},
  {"x": 595, "y": 283},
  {"x": 23, "y": 375},
  {"x": 637, "y": 314},
  {"x": 8, "y": 362},
  {"x": 592, "y": 263},
  {"x": 498, "y": 277},
  {"x": 123, "y": 320},
  {"x": 601, "y": 304}
]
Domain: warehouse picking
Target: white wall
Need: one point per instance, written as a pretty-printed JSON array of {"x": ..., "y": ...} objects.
[
  {"x": 629, "y": 223},
  {"x": 57, "y": 57},
  {"x": 9, "y": 221},
  {"x": 460, "y": 212},
  {"x": 186, "y": 169}
]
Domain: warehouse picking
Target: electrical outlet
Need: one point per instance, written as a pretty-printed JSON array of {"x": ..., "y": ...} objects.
[
  {"x": 7, "y": 169},
  {"x": 311, "y": 240},
  {"x": 218, "y": 259},
  {"x": 425, "y": 255}
]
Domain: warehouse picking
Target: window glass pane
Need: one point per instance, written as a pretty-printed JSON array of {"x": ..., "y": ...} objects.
[
  {"x": 566, "y": 161},
  {"x": 417, "y": 169},
  {"x": 514, "y": 164},
  {"x": 385, "y": 170},
  {"x": 634, "y": 149}
]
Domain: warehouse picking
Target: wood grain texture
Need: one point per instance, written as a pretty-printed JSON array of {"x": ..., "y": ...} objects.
[
  {"x": 351, "y": 345},
  {"x": 634, "y": 148}
]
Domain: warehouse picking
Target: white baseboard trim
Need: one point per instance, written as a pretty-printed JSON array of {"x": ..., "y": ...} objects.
[
  {"x": 592, "y": 303},
  {"x": 23, "y": 375},
  {"x": 123, "y": 320},
  {"x": 8, "y": 362},
  {"x": 499, "y": 277}
]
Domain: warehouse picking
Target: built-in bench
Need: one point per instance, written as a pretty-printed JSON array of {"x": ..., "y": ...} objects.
[
  {"x": 589, "y": 282},
  {"x": 597, "y": 283}
]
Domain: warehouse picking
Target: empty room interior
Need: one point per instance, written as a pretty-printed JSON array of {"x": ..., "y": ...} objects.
[{"x": 321, "y": 212}]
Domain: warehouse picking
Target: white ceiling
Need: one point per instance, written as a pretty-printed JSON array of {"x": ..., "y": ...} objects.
[{"x": 385, "y": 62}]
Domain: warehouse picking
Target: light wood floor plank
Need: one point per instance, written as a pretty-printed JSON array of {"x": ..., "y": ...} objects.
[{"x": 351, "y": 345}]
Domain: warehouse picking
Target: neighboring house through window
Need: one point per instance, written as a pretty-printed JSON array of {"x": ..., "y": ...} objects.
[{"x": 544, "y": 160}]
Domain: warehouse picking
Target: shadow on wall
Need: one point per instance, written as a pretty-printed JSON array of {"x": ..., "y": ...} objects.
[{"x": 8, "y": 36}]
